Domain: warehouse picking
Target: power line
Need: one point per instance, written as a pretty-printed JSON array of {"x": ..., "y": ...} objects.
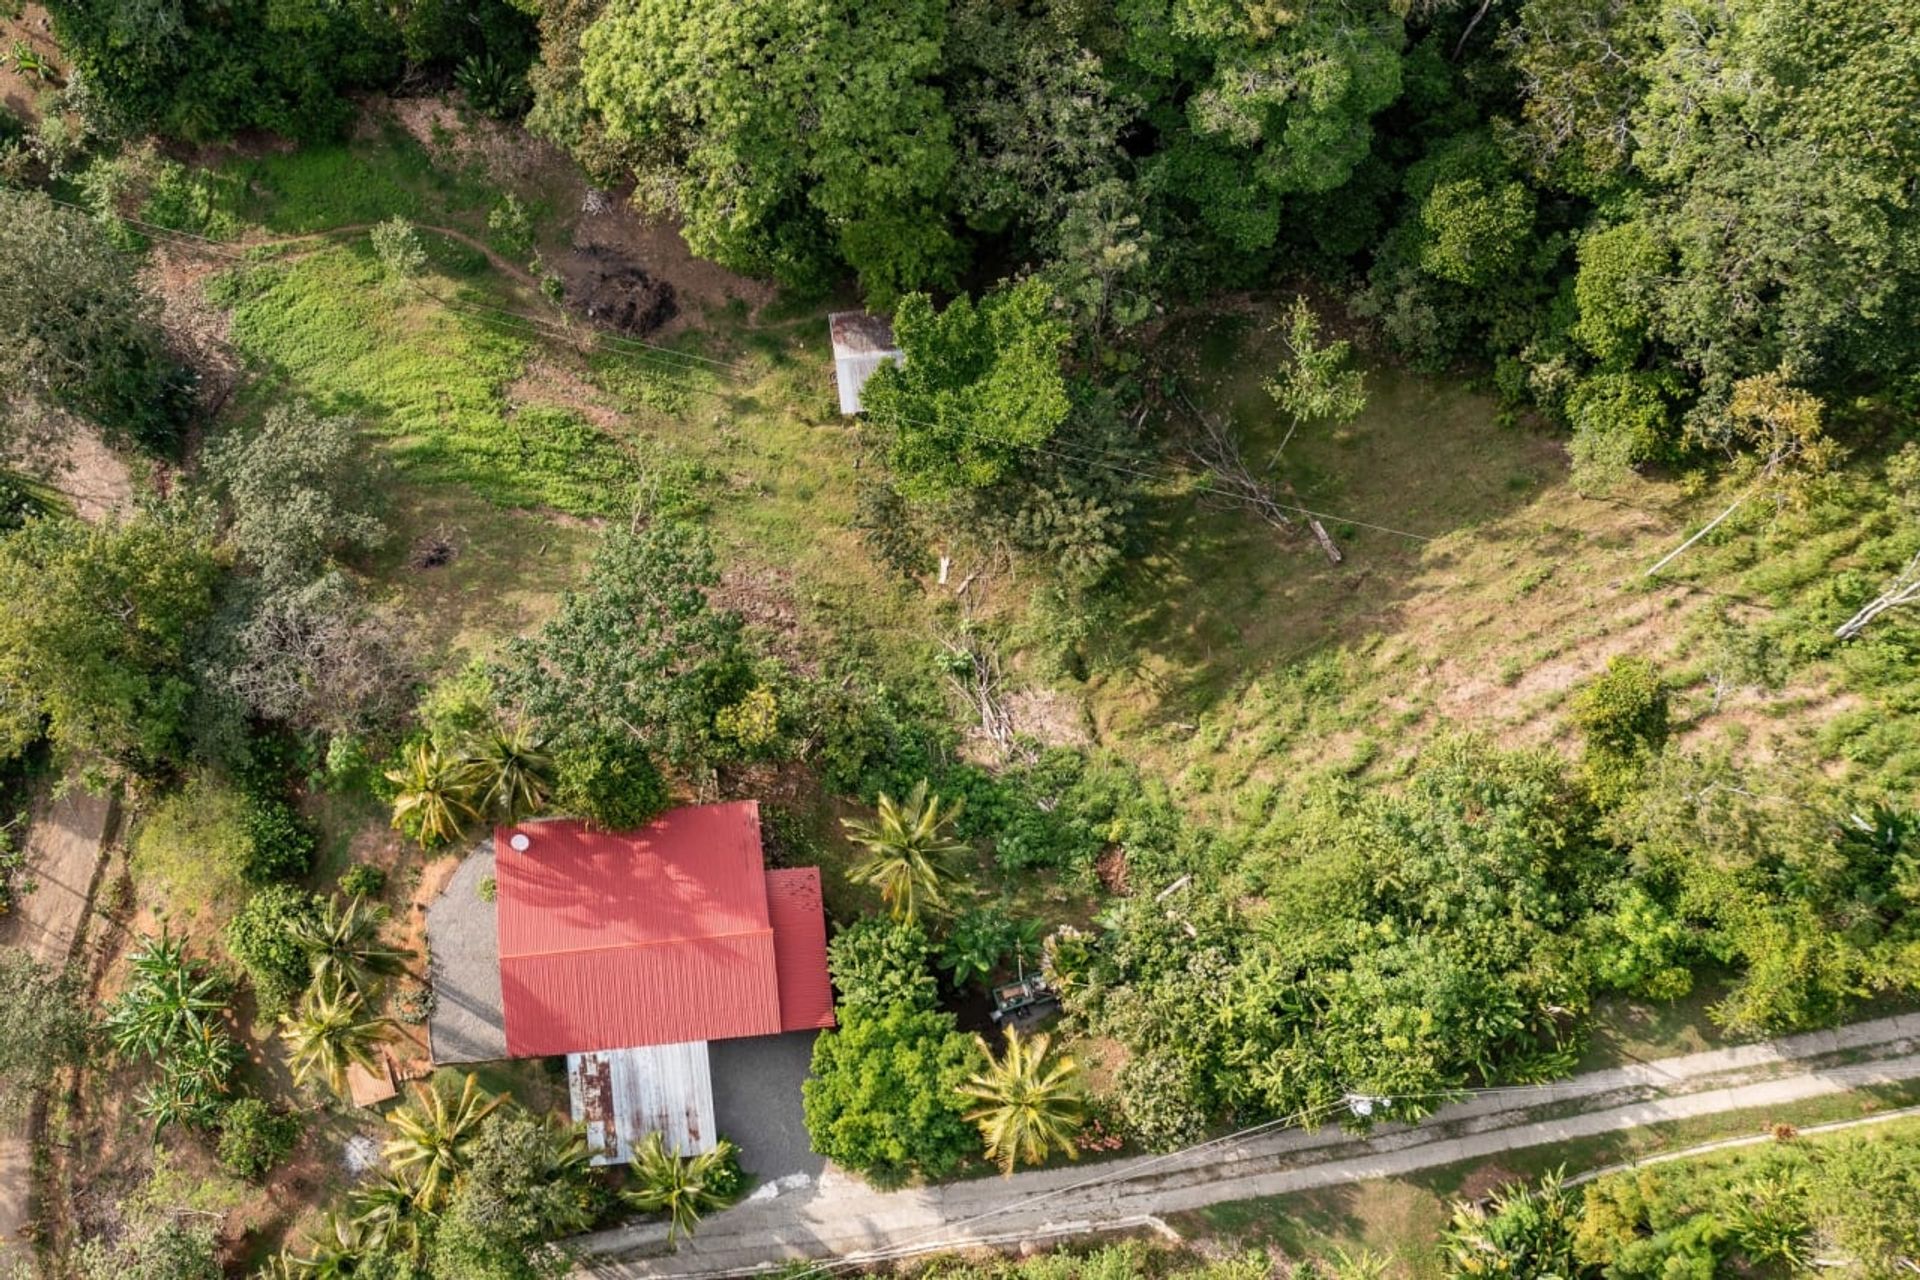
[
  {"x": 1131, "y": 1170},
  {"x": 625, "y": 344}
]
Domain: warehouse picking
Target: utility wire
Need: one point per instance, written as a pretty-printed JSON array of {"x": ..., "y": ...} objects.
[
  {"x": 625, "y": 344},
  {"x": 1122, "y": 1174},
  {"x": 1133, "y": 1170}
]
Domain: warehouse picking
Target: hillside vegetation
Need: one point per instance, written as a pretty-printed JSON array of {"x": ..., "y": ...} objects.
[{"x": 1358, "y": 580}]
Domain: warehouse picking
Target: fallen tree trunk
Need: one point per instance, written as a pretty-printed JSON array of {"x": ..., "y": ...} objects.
[{"x": 1903, "y": 590}]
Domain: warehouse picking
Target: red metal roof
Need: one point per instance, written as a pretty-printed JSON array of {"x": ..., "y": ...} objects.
[
  {"x": 663, "y": 935},
  {"x": 800, "y": 948}
]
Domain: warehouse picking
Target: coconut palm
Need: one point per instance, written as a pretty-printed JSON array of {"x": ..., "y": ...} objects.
[
  {"x": 343, "y": 942},
  {"x": 1030, "y": 1101},
  {"x": 386, "y": 1212},
  {"x": 435, "y": 797},
  {"x": 331, "y": 1031},
  {"x": 511, "y": 770},
  {"x": 685, "y": 1190},
  {"x": 910, "y": 851},
  {"x": 335, "y": 1252},
  {"x": 433, "y": 1137}
]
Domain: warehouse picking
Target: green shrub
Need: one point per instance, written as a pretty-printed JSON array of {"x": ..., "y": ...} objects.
[
  {"x": 883, "y": 1098},
  {"x": 878, "y": 963},
  {"x": 261, "y": 939},
  {"x": 413, "y": 1004},
  {"x": 1623, "y": 714},
  {"x": 1624, "y": 709},
  {"x": 363, "y": 880},
  {"x": 612, "y": 782},
  {"x": 458, "y": 707},
  {"x": 982, "y": 938},
  {"x": 196, "y": 846},
  {"x": 254, "y": 1137},
  {"x": 280, "y": 843}
]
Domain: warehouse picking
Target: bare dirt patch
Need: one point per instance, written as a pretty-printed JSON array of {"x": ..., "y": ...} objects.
[
  {"x": 764, "y": 597},
  {"x": 1049, "y": 717},
  {"x": 198, "y": 329},
  {"x": 608, "y": 234},
  {"x": 617, "y": 293},
  {"x": 613, "y": 230},
  {"x": 546, "y": 381},
  {"x": 90, "y": 475}
]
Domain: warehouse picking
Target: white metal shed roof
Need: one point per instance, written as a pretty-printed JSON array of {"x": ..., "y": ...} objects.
[
  {"x": 622, "y": 1095},
  {"x": 861, "y": 344}
]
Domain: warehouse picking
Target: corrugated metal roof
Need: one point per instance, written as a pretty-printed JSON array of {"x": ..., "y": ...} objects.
[
  {"x": 658, "y": 936},
  {"x": 854, "y": 332},
  {"x": 622, "y": 1095},
  {"x": 691, "y": 873},
  {"x": 800, "y": 948},
  {"x": 861, "y": 344}
]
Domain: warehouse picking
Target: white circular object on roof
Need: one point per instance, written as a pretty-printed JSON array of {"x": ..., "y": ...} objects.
[{"x": 520, "y": 842}]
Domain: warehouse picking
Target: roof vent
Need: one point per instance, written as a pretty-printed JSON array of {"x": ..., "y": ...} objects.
[{"x": 520, "y": 842}]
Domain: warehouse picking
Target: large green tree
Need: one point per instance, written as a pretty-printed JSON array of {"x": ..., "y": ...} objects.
[
  {"x": 785, "y": 134},
  {"x": 641, "y": 652},
  {"x": 301, "y": 489},
  {"x": 78, "y": 333},
  {"x": 981, "y": 383},
  {"x": 97, "y": 626},
  {"x": 883, "y": 1098}
]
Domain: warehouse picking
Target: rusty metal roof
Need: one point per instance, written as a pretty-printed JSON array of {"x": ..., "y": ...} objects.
[
  {"x": 622, "y": 1095},
  {"x": 800, "y": 948},
  {"x": 658, "y": 936}
]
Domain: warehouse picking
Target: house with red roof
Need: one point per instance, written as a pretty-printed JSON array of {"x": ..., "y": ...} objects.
[{"x": 628, "y": 952}]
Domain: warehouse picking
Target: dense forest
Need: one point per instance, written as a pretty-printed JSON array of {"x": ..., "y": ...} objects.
[{"x": 1671, "y": 243}]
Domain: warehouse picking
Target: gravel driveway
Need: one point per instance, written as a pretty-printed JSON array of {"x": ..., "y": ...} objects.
[{"x": 463, "y": 939}]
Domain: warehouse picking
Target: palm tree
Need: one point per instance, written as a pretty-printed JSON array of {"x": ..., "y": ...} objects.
[
  {"x": 386, "y": 1212},
  {"x": 344, "y": 944},
  {"x": 435, "y": 799},
  {"x": 910, "y": 848},
  {"x": 1030, "y": 1102},
  {"x": 512, "y": 771},
  {"x": 434, "y": 1137},
  {"x": 330, "y": 1033},
  {"x": 685, "y": 1190},
  {"x": 335, "y": 1252}
]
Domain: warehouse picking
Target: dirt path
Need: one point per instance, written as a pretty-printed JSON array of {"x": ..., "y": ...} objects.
[
  {"x": 64, "y": 847},
  {"x": 841, "y": 1217}
]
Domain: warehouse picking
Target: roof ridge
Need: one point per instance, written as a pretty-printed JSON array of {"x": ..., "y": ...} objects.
[{"x": 634, "y": 946}]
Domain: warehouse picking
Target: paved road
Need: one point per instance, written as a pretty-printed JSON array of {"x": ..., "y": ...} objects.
[
  {"x": 841, "y": 1217},
  {"x": 64, "y": 845}
]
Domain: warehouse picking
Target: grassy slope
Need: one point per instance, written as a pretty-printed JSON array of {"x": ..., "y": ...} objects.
[
  {"x": 1404, "y": 1216},
  {"x": 1252, "y": 659},
  {"x": 1247, "y": 659}
]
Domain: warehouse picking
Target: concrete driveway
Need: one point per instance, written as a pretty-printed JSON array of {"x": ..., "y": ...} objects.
[{"x": 756, "y": 1103}]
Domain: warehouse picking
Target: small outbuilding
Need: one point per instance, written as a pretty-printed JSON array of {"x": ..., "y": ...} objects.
[{"x": 861, "y": 344}]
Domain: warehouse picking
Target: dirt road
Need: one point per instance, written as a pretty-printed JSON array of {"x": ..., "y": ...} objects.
[
  {"x": 841, "y": 1217},
  {"x": 64, "y": 846}
]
